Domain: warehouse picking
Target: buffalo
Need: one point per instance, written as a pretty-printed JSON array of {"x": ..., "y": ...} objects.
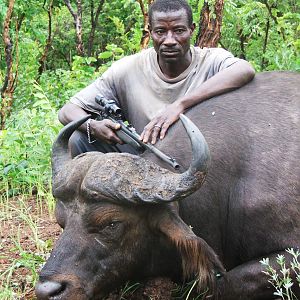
[{"x": 234, "y": 201}]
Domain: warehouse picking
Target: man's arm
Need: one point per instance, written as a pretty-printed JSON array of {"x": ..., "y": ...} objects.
[
  {"x": 103, "y": 130},
  {"x": 224, "y": 81}
]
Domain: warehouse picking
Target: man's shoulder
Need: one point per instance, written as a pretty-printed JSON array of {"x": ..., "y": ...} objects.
[
  {"x": 206, "y": 52},
  {"x": 134, "y": 59},
  {"x": 214, "y": 58}
]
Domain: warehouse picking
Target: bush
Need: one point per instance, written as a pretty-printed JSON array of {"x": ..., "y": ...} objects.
[
  {"x": 282, "y": 279},
  {"x": 25, "y": 146}
]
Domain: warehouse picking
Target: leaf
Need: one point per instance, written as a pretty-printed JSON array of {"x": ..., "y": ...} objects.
[
  {"x": 105, "y": 54},
  {"x": 89, "y": 60},
  {"x": 40, "y": 95},
  {"x": 119, "y": 50},
  {"x": 8, "y": 168},
  {"x": 41, "y": 103}
]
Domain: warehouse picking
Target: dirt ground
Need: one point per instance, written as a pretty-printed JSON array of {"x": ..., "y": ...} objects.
[{"x": 20, "y": 230}]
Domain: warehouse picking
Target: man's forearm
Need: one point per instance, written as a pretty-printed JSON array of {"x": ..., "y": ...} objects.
[
  {"x": 70, "y": 112},
  {"x": 226, "y": 80}
]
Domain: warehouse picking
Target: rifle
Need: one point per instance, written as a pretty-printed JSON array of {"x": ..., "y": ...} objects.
[{"x": 127, "y": 133}]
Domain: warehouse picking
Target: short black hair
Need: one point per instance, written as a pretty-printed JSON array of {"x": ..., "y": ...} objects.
[{"x": 170, "y": 5}]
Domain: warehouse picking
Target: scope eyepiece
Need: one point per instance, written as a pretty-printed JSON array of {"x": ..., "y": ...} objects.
[{"x": 109, "y": 105}]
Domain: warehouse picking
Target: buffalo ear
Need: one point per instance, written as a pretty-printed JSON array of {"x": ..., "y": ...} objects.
[{"x": 199, "y": 261}]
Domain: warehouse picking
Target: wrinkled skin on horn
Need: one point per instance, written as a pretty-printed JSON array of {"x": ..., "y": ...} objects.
[
  {"x": 129, "y": 178},
  {"x": 120, "y": 222}
]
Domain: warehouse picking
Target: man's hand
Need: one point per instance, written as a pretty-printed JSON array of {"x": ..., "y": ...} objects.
[
  {"x": 159, "y": 125},
  {"x": 105, "y": 131}
]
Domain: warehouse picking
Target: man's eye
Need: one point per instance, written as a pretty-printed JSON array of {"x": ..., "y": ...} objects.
[
  {"x": 159, "y": 32},
  {"x": 179, "y": 31}
]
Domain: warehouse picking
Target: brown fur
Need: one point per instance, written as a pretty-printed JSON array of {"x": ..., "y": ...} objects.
[{"x": 199, "y": 261}]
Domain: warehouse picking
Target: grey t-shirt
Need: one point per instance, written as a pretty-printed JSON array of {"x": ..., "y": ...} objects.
[{"x": 141, "y": 89}]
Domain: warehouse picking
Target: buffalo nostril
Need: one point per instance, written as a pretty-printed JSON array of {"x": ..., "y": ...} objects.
[{"x": 47, "y": 289}]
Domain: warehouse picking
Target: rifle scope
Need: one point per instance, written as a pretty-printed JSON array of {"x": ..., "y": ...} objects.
[{"x": 110, "y": 107}]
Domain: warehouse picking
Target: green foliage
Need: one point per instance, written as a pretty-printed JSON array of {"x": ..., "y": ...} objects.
[
  {"x": 33, "y": 125},
  {"x": 111, "y": 54},
  {"x": 61, "y": 84},
  {"x": 282, "y": 280},
  {"x": 121, "y": 23},
  {"x": 267, "y": 38},
  {"x": 25, "y": 146}
]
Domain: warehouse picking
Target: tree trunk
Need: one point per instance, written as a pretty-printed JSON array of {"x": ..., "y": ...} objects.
[
  {"x": 210, "y": 24},
  {"x": 43, "y": 59},
  {"x": 78, "y": 25},
  {"x": 146, "y": 33},
  {"x": 263, "y": 60},
  {"x": 9, "y": 84},
  {"x": 242, "y": 38},
  {"x": 94, "y": 22}
]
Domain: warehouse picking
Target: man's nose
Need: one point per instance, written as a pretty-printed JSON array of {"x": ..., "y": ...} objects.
[{"x": 169, "y": 39}]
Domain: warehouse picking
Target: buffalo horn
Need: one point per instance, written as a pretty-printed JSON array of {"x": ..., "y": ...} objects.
[
  {"x": 173, "y": 187},
  {"x": 60, "y": 153}
]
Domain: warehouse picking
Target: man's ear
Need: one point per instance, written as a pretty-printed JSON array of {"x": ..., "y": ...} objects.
[
  {"x": 193, "y": 27},
  {"x": 149, "y": 28},
  {"x": 199, "y": 261}
]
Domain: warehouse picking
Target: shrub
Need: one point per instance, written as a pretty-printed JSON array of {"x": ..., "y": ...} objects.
[{"x": 281, "y": 279}]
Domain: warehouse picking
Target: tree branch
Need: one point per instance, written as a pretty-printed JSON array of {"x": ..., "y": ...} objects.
[
  {"x": 269, "y": 8},
  {"x": 94, "y": 22},
  {"x": 10, "y": 81},
  {"x": 210, "y": 28},
  {"x": 70, "y": 8},
  {"x": 42, "y": 60},
  {"x": 8, "y": 44},
  {"x": 265, "y": 44},
  {"x": 146, "y": 34},
  {"x": 78, "y": 24}
]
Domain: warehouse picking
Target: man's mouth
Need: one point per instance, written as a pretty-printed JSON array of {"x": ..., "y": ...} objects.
[{"x": 169, "y": 52}]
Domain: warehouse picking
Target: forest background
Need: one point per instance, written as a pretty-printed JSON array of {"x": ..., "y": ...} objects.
[{"x": 50, "y": 49}]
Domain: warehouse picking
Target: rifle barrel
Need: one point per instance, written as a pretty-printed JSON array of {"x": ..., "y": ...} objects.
[{"x": 169, "y": 160}]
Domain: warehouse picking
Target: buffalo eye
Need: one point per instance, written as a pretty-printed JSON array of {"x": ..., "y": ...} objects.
[
  {"x": 110, "y": 229},
  {"x": 112, "y": 226}
]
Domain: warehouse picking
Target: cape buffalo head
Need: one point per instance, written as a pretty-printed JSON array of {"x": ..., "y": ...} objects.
[{"x": 120, "y": 222}]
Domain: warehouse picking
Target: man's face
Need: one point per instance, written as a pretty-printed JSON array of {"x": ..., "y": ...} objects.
[{"x": 171, "y": 34}]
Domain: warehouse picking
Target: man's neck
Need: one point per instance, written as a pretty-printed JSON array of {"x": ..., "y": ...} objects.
[{"x": 174, "y": 69}]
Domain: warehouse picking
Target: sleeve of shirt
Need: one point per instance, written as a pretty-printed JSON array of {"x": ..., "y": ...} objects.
[
  {"x": 104, "y": 86},
  {"x": 221, "y": 59}
]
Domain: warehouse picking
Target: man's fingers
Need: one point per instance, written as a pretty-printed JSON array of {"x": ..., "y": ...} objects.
[
  {"x": 155, "y": 132},
  {"x": 112, "y": 137},
  {"x": 164, "y": 130},
  {"x": 112, "y": 125},
  {"x": 145, "y": 136},
  {"x": 106, "y": 132}
]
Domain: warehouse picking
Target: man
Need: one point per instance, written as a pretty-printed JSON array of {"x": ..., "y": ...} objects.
[{"x": 156, "y": 85}]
